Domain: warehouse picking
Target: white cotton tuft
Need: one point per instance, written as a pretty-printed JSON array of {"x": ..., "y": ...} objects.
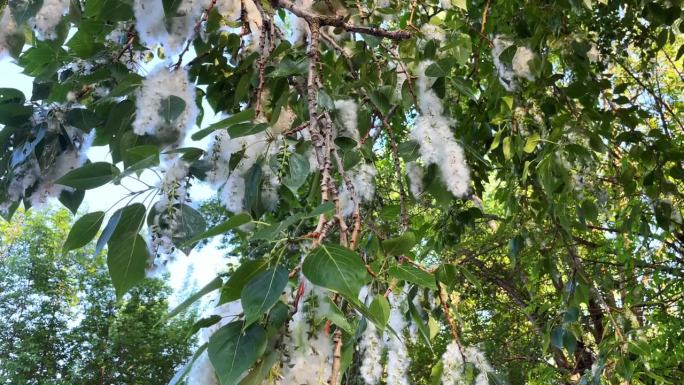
[
  {"x": 159, "y": 85},
  {"x": 364, "y": 187},
  {"x": 308, "y": 354},
  {"x": 202, "y": 372},
  {"x": 371, "y": 349},
  {"x": 445, "y": 4},
  {"x": 301, "y": 27},
  {"x": 46, "y": 188},
  {"x": 398, "y": 360},
  {"x": 231, "y": 183},
  {"x": 347, "y": 111},
  {"x": 8, "y": 28},
  {"x": 155, "y": 28},
  {"x": 452, "y": 365},
  {"x": 522, "y": 63},
  {"x": 415, "y": 175},
  {"x": 506, "y": 74},
  {"x": 433, "y": 32},
  {"x": 48, "y": 17},
  {"x": 593, "y": 54},
  {"x": 437, "y": 145},
  {"x": 284, "y": 122}
]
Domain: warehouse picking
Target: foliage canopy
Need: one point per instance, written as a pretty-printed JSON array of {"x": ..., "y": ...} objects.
[{"x": 498, "y": 183}]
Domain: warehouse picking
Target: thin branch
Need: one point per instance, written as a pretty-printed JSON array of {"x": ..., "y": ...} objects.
[{"x": 334, "y": 21}]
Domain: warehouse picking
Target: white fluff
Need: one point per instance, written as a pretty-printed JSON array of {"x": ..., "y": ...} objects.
[
  {"x": 398, "y": 361},
  {"x": 308, "y": 355},
  {"x": 8, "y": 28},
  {"x": 48, "y": 17},
  {"x": 506, "y": 74},
  {"x": 155, "y": 28},
  {"x": 593, "y": 54},
  {"x": 371, "y": 348},
  {"x": 232, "y": 183},
  {"x": 415, "y": 175},
  {"x": 521, "y": 63},
  {"x": 347, "y": 112},
  {"x": 202, "y": 372},
  {"x": 446, "y": 4},
  {"x": 453, "y": 365},
  {"x": 159, "y": 85},
  {"x": 433, "y": 32},
  {"x": 437, "y": 144},
  {"x": 364, "y": 187}
]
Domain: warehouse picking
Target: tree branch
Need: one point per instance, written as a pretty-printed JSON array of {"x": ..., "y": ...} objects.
[{"x": 339, "y": 22}]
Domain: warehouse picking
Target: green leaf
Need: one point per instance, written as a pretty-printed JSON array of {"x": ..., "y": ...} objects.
[
  {"x": 261, "y": 292},
  {"x": 435, "y": 70},
  {"x": 557, "y": 335},
  {"x": 413, "y": 274},
  {"x": 531, "y": 143},
  {"x": 171, "y": 108},
  {"x": 232, "y": 290},
  {"x": 336, "y": 268},
  {"x": 232, "y": 351},
  {"x": 22, "y": 10},
  {"x": 82, "y": 118},
  {"x": 190, "y": 223},
  {"x": 298, "y": 171},
  {"x": 400, "y": 245},
  {"x": 90, "y": 176},
  {"x": 127, "y": 259},
  {"x": 246, "y": 129},
  {"x": 380, "y": 309},
  {"x": 507, "y": 147},
  {"x": 83, "y": 231},
  {"x": 215, "y": 284},
  {"x": 330, "y": 311},
  {"x": 571, "y": 315},
  {"x": 240, "y": 117},
  {"x": 232, "y": 223},
  {"x": 72, "y": 199}
]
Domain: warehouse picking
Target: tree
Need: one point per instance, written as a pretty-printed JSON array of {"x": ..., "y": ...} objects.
[
  {"x": 61, "y": 323},
  {"x": 496, "y": 183}
]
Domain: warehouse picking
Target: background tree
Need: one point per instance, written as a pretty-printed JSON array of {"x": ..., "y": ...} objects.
[
  {"x": 496, "y": 182},
  {"x": 60, "y": 320}
]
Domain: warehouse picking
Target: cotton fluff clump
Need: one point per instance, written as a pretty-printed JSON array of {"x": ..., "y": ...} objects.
[
  {"x": 28, "y": 175},
  {"x": 157, "y": 87},
  {"x": 364, "y": 188},
  {"x": 520, "y": 66},
  {"x": 371, "y": 348},
  {"x": 415, "y": 175},
  {"x": 437, "y": 144},
  {"x": 308, "y": 355},
  {"x": 8, "y": 28},
  {"x": 232, "y": 183},
  {"x": 445, "y": 4},
  {"x": 173, "y": 192},
  {"x": 347, "y": 112},
  {"x": 154, "y": 28},
  {"x": 48, "y": 17},
  {"x": 453, "y": 364},
  {"x": 398, "y": 361},
  {"x": 521, "y": 63},
  {"x": 202, "y": 372},
  {"x": 506, "y": 74},
  {"x": 433, "y": 32},
  {"x": 593, "y": 54}
]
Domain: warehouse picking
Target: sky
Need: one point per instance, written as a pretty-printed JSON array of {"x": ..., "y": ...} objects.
[{"x": 187, "y": 273}]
